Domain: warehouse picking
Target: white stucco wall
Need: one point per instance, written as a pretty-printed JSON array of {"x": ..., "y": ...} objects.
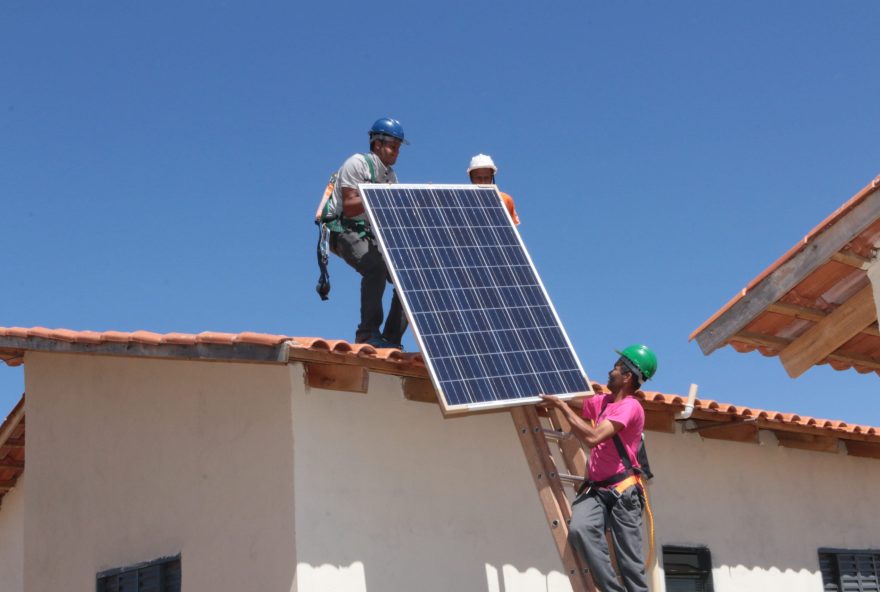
[
  {"x": 763, "y": 510},
  {"x": 392, "y": 497},
  {"x": 129, "y": 460},
  {"x": 263, "y": 484},
  {"x": 12, "y": 539}
]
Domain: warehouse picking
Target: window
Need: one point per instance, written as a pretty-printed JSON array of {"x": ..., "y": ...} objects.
[
  {"x": 849, "y": 571},
  {"x": 688, "y": 569},
  {"x": 160, "y": 575}
]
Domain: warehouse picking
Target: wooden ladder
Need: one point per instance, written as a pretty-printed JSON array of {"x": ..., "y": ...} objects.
[{"x": 534, "y": 436}]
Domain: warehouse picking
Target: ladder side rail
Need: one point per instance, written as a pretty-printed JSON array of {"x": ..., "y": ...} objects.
[
  {"x": 548, "y": 460},
  {"x": 555, "y": 504},
  {"x": 572, "y": 452}
]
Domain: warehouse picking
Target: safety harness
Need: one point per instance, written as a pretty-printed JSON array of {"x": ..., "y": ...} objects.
[
  {"x": 627, "y": 478},
  {"x": 329, "y": 218}
]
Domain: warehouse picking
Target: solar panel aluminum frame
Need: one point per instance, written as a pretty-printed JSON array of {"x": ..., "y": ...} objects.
[{"x": 365, "y": 189}]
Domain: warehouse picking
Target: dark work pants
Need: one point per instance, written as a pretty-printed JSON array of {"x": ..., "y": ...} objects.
[
  {"x": 364, "y": 256},
  {"x": 591, "y": 512}
]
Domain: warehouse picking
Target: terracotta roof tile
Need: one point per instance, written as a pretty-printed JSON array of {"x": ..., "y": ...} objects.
[
  {"x": 777, "y": 417},
  {"x": 116, "y": 337},
  {"x": 260, "y": 338},
  {"x": 336, "y": 346},
  {"x": 180, "y": 339}
]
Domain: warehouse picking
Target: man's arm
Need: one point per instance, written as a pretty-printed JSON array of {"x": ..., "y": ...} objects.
[
  {"x": 352, "y": 204},
  {"x": 353, "y": 171},
  {"x": 583, "y": 431}
]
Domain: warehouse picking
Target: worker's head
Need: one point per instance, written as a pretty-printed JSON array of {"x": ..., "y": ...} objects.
[
  {"x": 482, "y": 170},
  {"x": 637, "y": 363},
  {"x": 386, "y": 136}
]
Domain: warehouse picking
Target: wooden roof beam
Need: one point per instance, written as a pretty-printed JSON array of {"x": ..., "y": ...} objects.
[
  {"x": 811, "y": 314},
  {"x": 351, "y": 379},
  {"x": 820, "y": 340},
  {"x": 801, "y": 441},
  {"x": 863, "y": 449},
  {"x": 745, "y": 430},
  {"x": 16, "y": 417},
  {"x": 419, "y": 389},
  {"x": 851, "y": 259},
  {"x": 779, "y": 343}
]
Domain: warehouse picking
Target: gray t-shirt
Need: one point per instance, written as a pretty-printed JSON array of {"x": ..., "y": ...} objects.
[{"x": 355, "y": 170}]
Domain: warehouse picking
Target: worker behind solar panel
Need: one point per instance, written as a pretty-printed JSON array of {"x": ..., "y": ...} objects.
[
  {"x": 482, "y": 171},
  {"x": 345, "y": 230},
  {"x": 614, "y": 492}
]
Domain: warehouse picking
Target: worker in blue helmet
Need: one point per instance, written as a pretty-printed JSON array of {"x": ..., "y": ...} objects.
[{"x": 353, "y": 240}]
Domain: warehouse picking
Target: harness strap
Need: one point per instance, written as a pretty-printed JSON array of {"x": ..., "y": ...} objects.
[
  {"x": 625, "y": 484},
  {"x": 359, "y": 226},
  {"x": 334, "y": 222},
  {"x": 369, "y": 162},
  {"x": 610, "y": 481}
]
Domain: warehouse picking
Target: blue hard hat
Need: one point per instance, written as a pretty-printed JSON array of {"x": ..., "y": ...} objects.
[{"x": 388, "y": 127}]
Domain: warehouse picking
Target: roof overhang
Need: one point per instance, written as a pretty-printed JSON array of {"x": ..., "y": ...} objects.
[{"x": 816, "y": 304}]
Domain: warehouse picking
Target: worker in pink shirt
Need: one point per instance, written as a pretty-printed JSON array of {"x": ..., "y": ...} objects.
[{"x": 611, "y": 425}]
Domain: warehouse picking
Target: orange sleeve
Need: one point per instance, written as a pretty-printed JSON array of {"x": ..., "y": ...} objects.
[{"x": 508, "y": 201}]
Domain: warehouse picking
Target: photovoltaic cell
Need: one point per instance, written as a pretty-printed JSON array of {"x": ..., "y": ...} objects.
[{"x": 484, "y": 322}]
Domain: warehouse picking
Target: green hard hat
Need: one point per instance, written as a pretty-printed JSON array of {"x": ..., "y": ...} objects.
[{"x": 641, "y": 360}]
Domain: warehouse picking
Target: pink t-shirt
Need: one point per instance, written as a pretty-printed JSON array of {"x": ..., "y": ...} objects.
[{"x": 605, "y": 461}]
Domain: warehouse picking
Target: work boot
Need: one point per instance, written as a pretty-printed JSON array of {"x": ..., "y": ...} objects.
[{"x": 382, "y": 343}]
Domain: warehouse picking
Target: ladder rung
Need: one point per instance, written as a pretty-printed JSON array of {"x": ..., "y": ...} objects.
[
  {"x": 571, "y": 479},
  {"x": 556, "y": 434}
]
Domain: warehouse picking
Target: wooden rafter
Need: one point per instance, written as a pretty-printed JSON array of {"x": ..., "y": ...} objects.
[
  {"x": 820, "y": 340},
  {"x": 12, "y": 422},
  {"x": 814, "y": 442},
  {"x": 419, "y": 389},
  {"x": 812, "y": 314},
  {"x": 351, "y": 379},
  {"x": 660, "y": 421},
  {"x": 864, "y": 449},
  {"x": 779, "y": 343},
  {"x": 739, "y": 431},
  {"x": 851, "y": 259}
]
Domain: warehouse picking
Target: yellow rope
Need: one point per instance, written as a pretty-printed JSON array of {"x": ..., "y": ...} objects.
[
  {"x": 637, "y": 481},
  {"x": 650, "y": 526}
]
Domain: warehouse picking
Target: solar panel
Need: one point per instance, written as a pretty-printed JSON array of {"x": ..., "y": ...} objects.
[{"x": 483, "y": 320}]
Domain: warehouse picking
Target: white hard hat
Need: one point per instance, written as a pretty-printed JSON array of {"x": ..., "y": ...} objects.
[{"x": 482, "y": 161}]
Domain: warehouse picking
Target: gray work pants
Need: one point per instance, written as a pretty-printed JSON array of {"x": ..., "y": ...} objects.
[
  {"x": 591, "y": 512},
  {"x": 364, "y": 256}
]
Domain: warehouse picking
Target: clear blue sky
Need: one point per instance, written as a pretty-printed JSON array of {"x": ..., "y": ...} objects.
[{"x": 160, "y": 162}]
